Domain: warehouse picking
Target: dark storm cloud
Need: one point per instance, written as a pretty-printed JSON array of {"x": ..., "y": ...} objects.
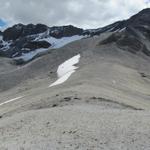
[{"x": 82, "y": 13}]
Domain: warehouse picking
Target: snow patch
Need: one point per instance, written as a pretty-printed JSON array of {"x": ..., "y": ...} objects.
[
  {"x": 28, "y": 56},
  {"x": 5, "y": 44},
  {"x": 56, "y": 43},
  {"x": 122, "y": 29},
  {"x": 68, "y": 65},
  {"x": 63, "y": 78},
  {"x": 66, "y": 69},
  {"x": 11, "y": 100}
]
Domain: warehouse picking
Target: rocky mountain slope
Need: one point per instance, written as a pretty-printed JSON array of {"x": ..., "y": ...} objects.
[
  {"x": 91, "y": 92},
  {"x": 25, "y": 42}
]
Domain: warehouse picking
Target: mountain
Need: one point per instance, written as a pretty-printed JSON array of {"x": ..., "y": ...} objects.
[
  {"x": 76, "y": 89},
  {"x": 25, "y": 42}
]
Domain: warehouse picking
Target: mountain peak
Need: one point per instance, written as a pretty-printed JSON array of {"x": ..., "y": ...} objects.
[
  {"x": 141, "y": 18},
  {"x": 146, "y": 10}
]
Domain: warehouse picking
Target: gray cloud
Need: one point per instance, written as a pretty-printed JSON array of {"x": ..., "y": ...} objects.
[{"x": 82, "y": 13}]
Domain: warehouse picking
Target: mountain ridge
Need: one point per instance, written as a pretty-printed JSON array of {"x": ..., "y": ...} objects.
[{"x": 24, "y": 42}]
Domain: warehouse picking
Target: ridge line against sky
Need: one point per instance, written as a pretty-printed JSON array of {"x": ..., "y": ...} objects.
[{"x": 81, "y": 13}]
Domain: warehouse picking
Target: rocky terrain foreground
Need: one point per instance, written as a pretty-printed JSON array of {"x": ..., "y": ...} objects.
[{"x": 91, "y": 93}]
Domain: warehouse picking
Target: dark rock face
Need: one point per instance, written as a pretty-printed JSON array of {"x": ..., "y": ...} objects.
[
  {"x": 131, "y": 44},
  {"x": 65, "y": 31},
  {"x": 131, "y": 39},
  {"x": 35, "y": 45},
  {"x": 19, "y": 30},
  {"x": 1, "y": 33},
  {"x": 111, "y": 39},
  {"x": 142, "y": 18},
  {"x": 127, "y": 41}
]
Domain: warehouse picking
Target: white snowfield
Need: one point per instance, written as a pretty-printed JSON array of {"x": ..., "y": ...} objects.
[
  {"x": 56, "y": 43},
  {"x": 66, "y": 69},
  {"x": 6, "y": 45}
]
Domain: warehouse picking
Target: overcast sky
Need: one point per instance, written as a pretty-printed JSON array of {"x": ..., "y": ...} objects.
[{"x": 81, "y": 13}]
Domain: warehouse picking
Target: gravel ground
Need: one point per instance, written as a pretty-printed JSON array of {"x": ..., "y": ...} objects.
[
  {"x": 105, "y": 104},
  {"x": 83, "y": 127}
]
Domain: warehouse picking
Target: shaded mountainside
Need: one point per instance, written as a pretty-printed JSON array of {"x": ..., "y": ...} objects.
[
  {"x": 135, "y": 34},
  {"x": 25, "y": 42}
]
